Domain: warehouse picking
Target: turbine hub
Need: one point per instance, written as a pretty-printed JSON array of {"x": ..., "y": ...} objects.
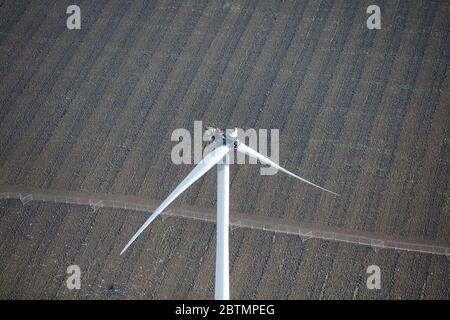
[{"x": 231, "y": 138}]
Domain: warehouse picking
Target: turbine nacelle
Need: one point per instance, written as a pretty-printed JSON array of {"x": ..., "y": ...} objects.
[{"x": 230, "y": 138}]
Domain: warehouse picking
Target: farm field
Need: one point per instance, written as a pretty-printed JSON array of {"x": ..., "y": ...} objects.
[{"x": 362, "y": 112}]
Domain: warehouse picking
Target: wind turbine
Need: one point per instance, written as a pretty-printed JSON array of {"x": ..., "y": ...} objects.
[{"x": 219, "y": 156}]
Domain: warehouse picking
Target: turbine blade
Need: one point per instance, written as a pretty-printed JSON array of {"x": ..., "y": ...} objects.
[
  {"x": 200, "y": 169},
  {"x": 252, "y": 153}
]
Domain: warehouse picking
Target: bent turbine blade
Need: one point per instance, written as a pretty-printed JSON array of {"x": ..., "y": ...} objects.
[
  {"x": 200, "y": 169},
  {"x": 252, "y": 153}
]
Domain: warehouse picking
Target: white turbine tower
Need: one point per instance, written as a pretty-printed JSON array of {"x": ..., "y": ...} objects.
[{"x": 219, "y": 156}]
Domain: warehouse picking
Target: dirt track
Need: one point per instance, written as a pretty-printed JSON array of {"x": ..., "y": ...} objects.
[{"x": 98, "y": 200}]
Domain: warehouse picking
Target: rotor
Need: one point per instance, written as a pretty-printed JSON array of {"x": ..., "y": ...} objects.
[{"x": 217, "y": 135}]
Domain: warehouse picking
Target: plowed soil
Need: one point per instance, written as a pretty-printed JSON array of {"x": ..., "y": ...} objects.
[{"x": 362, "y": 112}]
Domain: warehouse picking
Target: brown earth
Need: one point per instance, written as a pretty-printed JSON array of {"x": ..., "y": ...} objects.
[{"x": 362, "y": 112}]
